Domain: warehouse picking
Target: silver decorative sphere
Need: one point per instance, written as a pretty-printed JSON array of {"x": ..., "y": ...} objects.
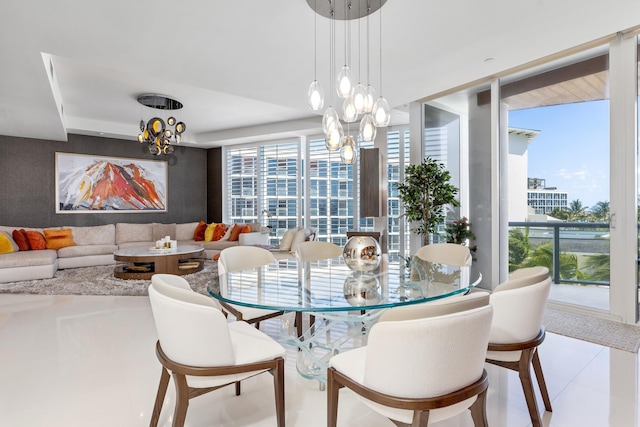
[
  {"x": 362, "y": 289},
  {"x": 362, "y": 253}
]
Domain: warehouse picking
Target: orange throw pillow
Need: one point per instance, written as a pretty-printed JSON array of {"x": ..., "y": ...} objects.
[
  {"x": 198, "y": 234},
  {"x": 235, "y": 232},
  {"x": 37, "y": 241},
  {"x": 246, "y": 229},
  {"x": 220, "y": 231},
  {"x": 20, "y": 237},
  {"x": 57, "y": 239}
]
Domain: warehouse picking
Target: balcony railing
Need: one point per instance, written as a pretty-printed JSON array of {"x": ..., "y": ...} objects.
[{"x": 585, "y": 238}]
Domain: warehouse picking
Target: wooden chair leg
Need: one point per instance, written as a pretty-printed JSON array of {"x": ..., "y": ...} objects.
[
  {"x": 182, "y": 400},
  {"x": 298, "y": 323},
  {"x": 537, "y": 368},
  {"x": 524, "y": 372},
  {"x": 333, "y": 387},
  {"x": 278, "y": 384},
  {"x": 162, "y": 391},
  {"x": 237, "y": 388},
  {"x": 420, "y": 419},
  {"x": 479, "y": 410}
]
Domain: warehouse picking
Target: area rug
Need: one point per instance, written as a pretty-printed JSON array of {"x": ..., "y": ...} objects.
[
  {"x": 592, "y": 329},
  {"x": 100, "y": 281}
]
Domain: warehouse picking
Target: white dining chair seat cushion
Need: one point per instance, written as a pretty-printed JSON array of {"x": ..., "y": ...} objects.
[
  {"x": 446, "y": 362},
  {"x": 249, "y": 345},
  {"x": 517, "y": 317}
]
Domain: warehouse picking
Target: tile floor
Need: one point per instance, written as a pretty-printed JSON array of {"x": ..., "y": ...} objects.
[{"x": 89, "y": 361}]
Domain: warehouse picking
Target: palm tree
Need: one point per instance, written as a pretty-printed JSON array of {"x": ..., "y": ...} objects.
[
  {"x": 599, "y": 267},
  {"x": 577, "y": 211},
  {"x": 518, "y": 247},
  {"x": 600, "y": 212},
  {"x": 543, "y": 256}
]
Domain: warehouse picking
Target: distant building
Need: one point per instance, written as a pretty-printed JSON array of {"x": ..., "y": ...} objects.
[{"x": 544, "y": 199}]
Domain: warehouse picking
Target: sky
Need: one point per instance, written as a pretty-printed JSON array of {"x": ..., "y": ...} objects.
[{"x": 572, "y": 150}]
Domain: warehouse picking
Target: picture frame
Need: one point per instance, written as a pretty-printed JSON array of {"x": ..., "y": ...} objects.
[{"x": 100, "y": 184}]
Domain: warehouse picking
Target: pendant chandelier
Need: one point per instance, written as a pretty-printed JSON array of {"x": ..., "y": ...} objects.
[
  {"x": 156, "y": 133},
  {"x": 357, "y": 101}
]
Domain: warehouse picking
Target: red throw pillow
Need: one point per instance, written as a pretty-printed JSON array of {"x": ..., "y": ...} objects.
[
  {"x": 220, "y": 231},
  {"x": 20, "y": 237},
  {"x": 216, "y": 257},
  {"x": 37, "y": 241},
  {"x": 198, "y": 234},
  {"x": 235, "y": 232}
]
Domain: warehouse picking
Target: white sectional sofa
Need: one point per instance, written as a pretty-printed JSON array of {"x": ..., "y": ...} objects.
[{"x": 94, "y": 245}]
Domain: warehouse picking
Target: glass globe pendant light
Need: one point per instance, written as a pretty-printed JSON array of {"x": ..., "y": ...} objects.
[
  {"x": 343, "y": 82},
  {"x": 369, "y": 99},
  {"x": 329, "y": 119},
  {"x": 333, "y": 138},
  {"x": 350, "y": 113},
  {"x": 348, "y": 150},
  {"x": 368, "y": 128},
  {"x": 315, "y": 96},
  {"x": 359, "y": 98},
  {"x": 381, "y": 112}
]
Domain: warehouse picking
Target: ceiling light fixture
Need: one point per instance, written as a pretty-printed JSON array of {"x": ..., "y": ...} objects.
[
  {"x": 156, "y": 133},
  {"x": 358, "y": 99}
]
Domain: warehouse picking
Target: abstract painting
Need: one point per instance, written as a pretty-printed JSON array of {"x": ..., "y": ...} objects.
[{"x": 87, "y": 183}]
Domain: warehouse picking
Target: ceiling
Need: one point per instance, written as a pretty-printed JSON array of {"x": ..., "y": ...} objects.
[{"x": 242, "y": 68}]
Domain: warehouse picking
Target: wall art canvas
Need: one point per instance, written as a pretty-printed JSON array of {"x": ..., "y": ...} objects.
[{"x": 87, "y": 183}]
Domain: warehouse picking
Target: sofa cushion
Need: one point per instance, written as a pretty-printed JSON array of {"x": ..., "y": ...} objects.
[
  {"x": 95, "y": 235},
  {"x": 7, "y": 245},
  {"x": 235, "y": 232},
  {"x": 185, "y": 231},
  {"x": 209, "y": 231},
  {"x": 219, "y": 232},
  {"x": 198, "y": 233},
  {"x": 57, "y": 239},
  {"x": 20, "y": 237},
  {"x": 141, "y": 244},
  {"x": 78, "y": 251},
  {"x": 160, "y": 231},
  {"x": 219, "y": 245},
  {"x": 301, "y": 235},
  {"x": 126, "y": 232},
  {"x": 287, "y": 239},
  {"x": 28, "y": 259},
  {"x": 37, "y": 241}
]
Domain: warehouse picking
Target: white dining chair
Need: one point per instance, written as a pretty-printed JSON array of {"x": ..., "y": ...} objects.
[
  {"x": 517, "y": 331},
  {"x": 422, "y": 363},
  {"x": 317, "y": 250},
  {"x": 446, "y": 253},
  {"x": 239, "y": 258},
  {"x": 203, "y": 352}
]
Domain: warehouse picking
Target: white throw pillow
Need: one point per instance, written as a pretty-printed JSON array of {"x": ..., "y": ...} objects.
[
  {"x": 227, "y": 234},
  {"x": 287, "y": 239},
  {"x": 301, "y": 236}
]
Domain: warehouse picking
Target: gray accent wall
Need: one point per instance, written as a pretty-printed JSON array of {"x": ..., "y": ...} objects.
[{"x": 27, "y": 182}]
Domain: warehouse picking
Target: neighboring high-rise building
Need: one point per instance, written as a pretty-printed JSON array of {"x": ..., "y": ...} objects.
[{"x": 544, "y": 199}]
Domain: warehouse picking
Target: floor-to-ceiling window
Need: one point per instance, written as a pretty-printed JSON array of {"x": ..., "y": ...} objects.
[{"x": 559, "y": 177}]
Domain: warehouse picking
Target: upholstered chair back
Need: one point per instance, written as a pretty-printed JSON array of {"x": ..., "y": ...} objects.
[
  {"x": 518, "y": 307},
  {"x": 191, "y": 329},
  {"x": 238, "y": 258},
  {"x": 171, "y": 279},
  {"x": 438, "y": 353},
  {"x": 445, "y": 253},
  {"x": 316, "y": 250}
]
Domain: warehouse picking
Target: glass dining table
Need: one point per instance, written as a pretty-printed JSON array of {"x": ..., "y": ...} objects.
[{"x": 341, "y": 304}]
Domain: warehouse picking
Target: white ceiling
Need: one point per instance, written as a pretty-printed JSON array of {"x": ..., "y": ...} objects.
[{"x": 242, "y": 67}]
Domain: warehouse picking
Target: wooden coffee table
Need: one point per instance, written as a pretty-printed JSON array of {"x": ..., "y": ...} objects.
[{"x": 142, "y": 263}]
